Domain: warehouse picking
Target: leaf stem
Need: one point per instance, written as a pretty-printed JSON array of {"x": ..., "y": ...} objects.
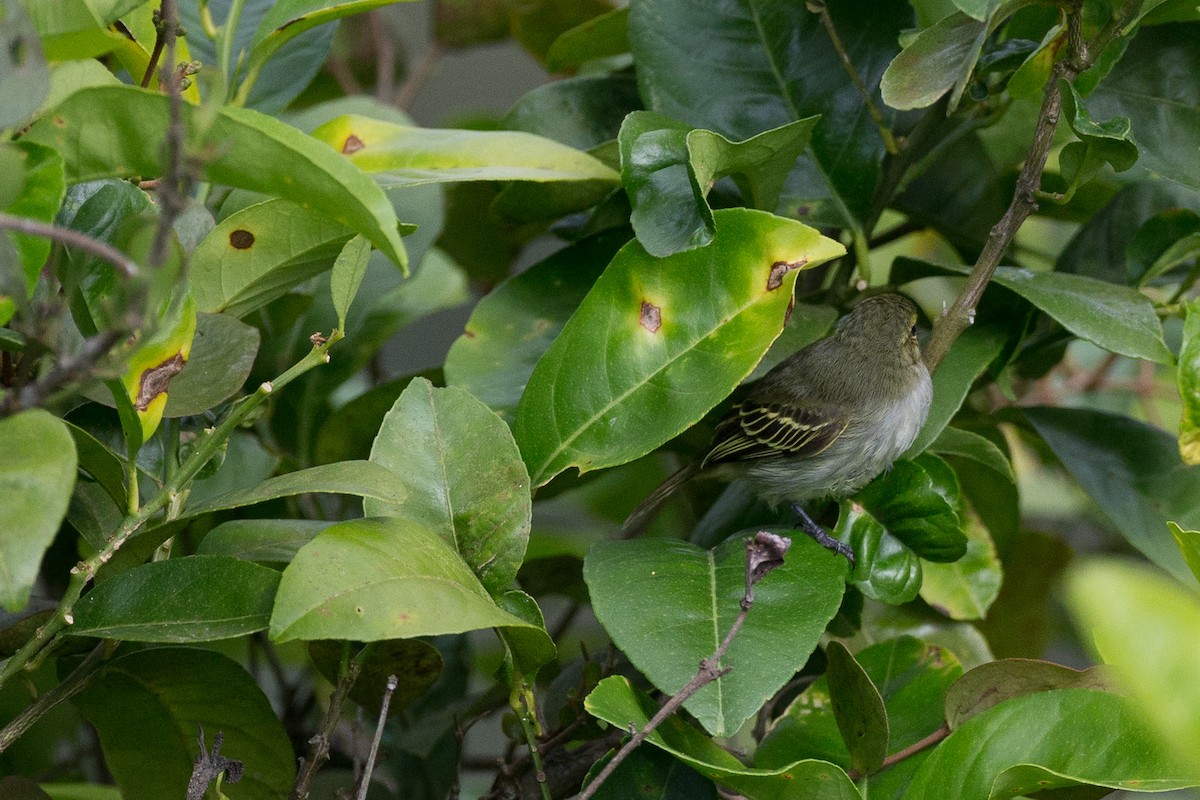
[{"x": 207, "y": 447}]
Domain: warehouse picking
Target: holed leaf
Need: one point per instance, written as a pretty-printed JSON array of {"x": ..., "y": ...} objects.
[{"x": 659, "y": 342}]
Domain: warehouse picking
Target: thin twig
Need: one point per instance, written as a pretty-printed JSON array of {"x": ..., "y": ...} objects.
[
  {"x": 958, "y": 317},
  {"x": 819, "y": 8},
  {"x": 408, "y": 92},
  {"x": 385, "y": 55},
  {"x": 72, "y": 369},
  {"x": 911, "y": 750},
  {"x": 383, "y": 711},
  {"x": 764, "y": 552},
  {"x": 172, "y": 198},
  {"x": 64, "y": 690},
  {"x": 318, "y": 745},
  {"x": 55, "y": 233}
]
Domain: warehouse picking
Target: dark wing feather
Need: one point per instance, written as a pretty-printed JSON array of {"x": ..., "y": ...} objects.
[{"x": 751, "y": 430}]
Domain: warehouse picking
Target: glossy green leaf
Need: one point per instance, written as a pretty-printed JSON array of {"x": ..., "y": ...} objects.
[
  {"x": 513, "y": 325},
  {"x": 583, "y": 112},
  {"x": 37, "y": 474},
  {"x": 349, "y": 432},
  {"x": 968, "y": 444},
  {"x": 261, "y": 540},
  {"x": 884, "y": 568},
  {"x": 911, "y": 502},
  {"x": 537, "y": 24},
  {"x": 72, "y": 29},
  {"x": 465, "y": 478},
  {"x": 1031, "y": 77},
  {"x": 1099, "y": 143},
  {"x": 287, "y": 19},
  {"x": 1049, "y": 740},
  {"x": 969, "y": 356},
  {"x": 383, "y": 578},
  {"x": 193, "y": 599},
  {"x": 1188, "y": 543},
  {"x": 667, "y": 170},
  {"x": 148, "y": 707},
  {"x": 644, "y": 357},
  {"x": 1143, "y": 624},
  {"x": 911, "y": 677},
  {"x": 257, "y": 254},
  {"x": 403, "y": 155},
  {"x": 528, "y": 649},
  {"x": 1183, "y": 251},
  {"x": 348, "y": 270},
  {"x": 256, "y": 152},
  {"x": 650, "y": 773},
  {"x": 616, "y": 702},
  {"x": 1150, "y": 86},
  {"x": 667, "y": 604},
  {"x": 416, "y": 664},
  {"x": 1116, "y": 318},
  {"x": 966, "y": 588},
  {"x": 1133, "y": 473},
  {"x": 988, "y": 685},
  {"x": 222, "y": 354},
  {"x": 39, "y": 199},
  {"x": 1187, "y": 379},
  {"x": 24, "y": 76},
  {"x": 858, "y": 710},
  {"x": 600, "y": 37},
  {"x": 786, "y": 70},
  {"x": 940, "y": 58}
]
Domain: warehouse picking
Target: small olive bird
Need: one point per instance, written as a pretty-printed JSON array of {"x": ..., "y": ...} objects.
[{"x": 823, "y": 422}]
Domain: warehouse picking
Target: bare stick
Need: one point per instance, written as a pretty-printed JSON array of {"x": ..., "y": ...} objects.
[
  {"x": 764, "y": 552},
  {"x": 370, "y": 766},
  {"x": 171, "y": 190},
  {"x": 1081, "y": 55},
  {"x": 408, "y": 92},
  {"x": 911, "y": 750},
  {"x": 318, "y": 745},
  {"x": 55, "y": 233}
]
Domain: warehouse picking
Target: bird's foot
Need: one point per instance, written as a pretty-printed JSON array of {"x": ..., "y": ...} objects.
[{"x": 822, "y": 536}]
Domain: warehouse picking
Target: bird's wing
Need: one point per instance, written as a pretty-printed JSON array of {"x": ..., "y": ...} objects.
[{"x": 751, "y": 430}]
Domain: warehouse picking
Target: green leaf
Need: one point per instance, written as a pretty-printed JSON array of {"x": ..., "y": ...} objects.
[
  {"x": 599, "y": 37},
  {"x": 858, "y": 709},
  {"x": 616, "y": 702},
  {"x": 37, "y": 474},
  {"x": 966, "y": 588},
  {"x": 1143, "y": 624},
  {"x": 911, "y": 677},
  {"x": 1116, "y": 318},
  {"x": 256, "y": 152},
  {"x": 348, "y": 432},
  {"x": 1150, "y": 86},
  {"x": 403, "y": 155},
  {"x": 988, "y": 685},
  {"x": 193, "y": 599},
  {"x": 347, "y": 275},
  {"x": 1133, "y": 473},
  {"x": 659, "y": 342},
  {"x": 148, "y": 707},
  {"x": 39, "y": 199},
  {"x": 912, "y": 503},
  {"x": 258, "y": 253},
  {"x": 969, "y": 356},
  {"x": 374, "y": 579},
  {"x": 536, "y": 24},
  {"x": 667, "y": 604},
  {"x": 24, "y": 76},
  {"x": 416, "y": 664},
  {"x": 1187, "y": 378},
  {"x": 1054, "y": 739},
  {"x": 74, "y": 29},
  {"x": 261, "y": 540},
  {"x": 939, "y": 59},
  {"x": 513, "y": 325},
  {"x": 286, "y": 20},
  {"x": 667, "y": 170},
  {"x": 465, "y": 478},
  {"x": 884, "y": 568},
  {"x": 584, "y": 112},
  {"x": 528, "y": 648},
  {"x": 1100, "y": 143},
  {"x": 223, "y": 351},
  {"x": 786, "y": 70},
  {"x": 650, "y": 773},
  {"x": 1188, "y": 543},
  {"x": 968, "y": 444},
  {"x": 1031, "y": 77}
]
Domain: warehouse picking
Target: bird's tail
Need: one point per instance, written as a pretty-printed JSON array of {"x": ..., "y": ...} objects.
[{"x": 637, "y": 520}]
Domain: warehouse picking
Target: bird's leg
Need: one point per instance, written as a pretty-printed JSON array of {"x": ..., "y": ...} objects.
[{"x": 821, "y": 535}]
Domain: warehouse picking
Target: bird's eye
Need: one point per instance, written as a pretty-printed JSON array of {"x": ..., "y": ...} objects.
[{"x": 913, "y": 330}]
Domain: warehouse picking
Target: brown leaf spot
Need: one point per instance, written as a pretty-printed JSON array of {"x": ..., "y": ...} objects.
[
  {"x": 154, "y": 381},
  {"x": 241, "y": 239},
  {"x": 650, "y": 317},
  {"x": 470, "y": 334},
  {"x": 779, "y": 269},
  {"x": 59, "y": 122},
  {"x": 352, "y": 145}
]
